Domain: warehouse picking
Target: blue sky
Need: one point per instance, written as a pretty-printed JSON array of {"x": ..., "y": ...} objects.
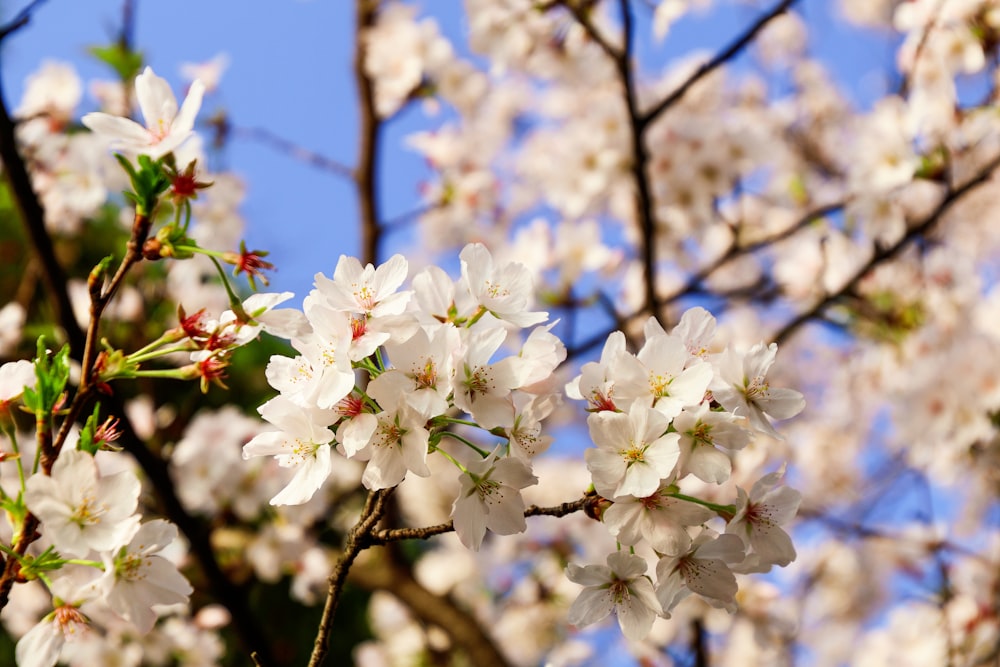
[{"x": 290, "y": 72}]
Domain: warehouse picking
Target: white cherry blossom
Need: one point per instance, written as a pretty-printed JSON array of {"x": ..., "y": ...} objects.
[
  {"x": 490, "y": 498},
  {"x": 166, "y": 128},
  {"x": 80, "y": 509},
  {"x": 137, "y": 578},
  {"x": 634, "y": 451},
  {"x": 622, "y": 587}
]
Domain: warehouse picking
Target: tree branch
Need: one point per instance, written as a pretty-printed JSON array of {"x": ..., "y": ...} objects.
[
  {"x": 720, "y": 59},
  {"x": 358, "y": 539},
  {"x": 369, "y": 136},
  {"x": 883, "y": 254},
  {"x": 383, "y": 572},
  {"x": 22, "y": 19},
  {"x": 292, "y": 149},
  {"x": 398, "y": 534}
]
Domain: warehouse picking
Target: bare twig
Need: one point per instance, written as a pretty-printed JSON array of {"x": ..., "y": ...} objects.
[
  {"x": 720, "y": 59},
  {"x": 358, "y": 539},
  {"x": 292, "y": 149},
  {"x": 369, "y": 136},
  {"x": 22, "y": 19},
  {"x": 398, "y": 534},
  {"x": 883, "y": 254},
  {"x": 384, "y": 572}
]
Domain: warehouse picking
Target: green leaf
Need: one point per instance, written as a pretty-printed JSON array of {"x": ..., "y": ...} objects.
[
  {"x": 124, "y": 62},
  {"x": 86, "y": 441},
  {"x": 52, "y": 373}
]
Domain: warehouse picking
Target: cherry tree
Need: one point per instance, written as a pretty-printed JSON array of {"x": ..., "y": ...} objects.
[{"x": 541, "y": 419}]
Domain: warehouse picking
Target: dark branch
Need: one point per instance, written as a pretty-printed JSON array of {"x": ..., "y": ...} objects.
[
  {"x": 22, "y": 19},
  {"x": 720, "y": 59},
  {"x": 883, "y": 254},
  {"x": 397, "y": 534},
  {"x": 292, "y": 149}
]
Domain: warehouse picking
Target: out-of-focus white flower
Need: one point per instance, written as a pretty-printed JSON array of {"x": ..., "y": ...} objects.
[{"x": 209, "y": 72}]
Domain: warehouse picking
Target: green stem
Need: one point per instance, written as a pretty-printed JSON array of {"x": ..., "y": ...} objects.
[
  {"x": 482, "y": 452},
  {"x": 137, "y": 358},
  {"x": 173, "y": 374},
  {"x": 721, "y": 509},
  {"x": 452, "y": 459}
]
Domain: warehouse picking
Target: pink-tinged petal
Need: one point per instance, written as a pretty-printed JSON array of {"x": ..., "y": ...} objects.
[
  {"x": 622, "y": 520},
  {"x": 40, "y": 646},
  {"x": 782, "y": 403},
  {"x": 271, "y": 443},
  {"x": 626, "y": 565},
  {"x": 415, "y": 451},
  {"x": 711, "y": 579},
  {"x": 184, "y": 122},
  {"x": 156, "y": 99},
  {"x": 772, "y": 545},
  {"x": 637, "y": 613},
  {"x": 690, "y": 386},
  {"x": 357, "y": 433},
  {"x": 709, "y": 464},
  {"x": 588, "y": 575},
  {"x": 469, "y": 517},
  {"x": 514, "y": 473},
  {"x": 667, "y": 537},
  {"x": 727, "y": 548},
  {"x": 663, "y": 453},
  {"x": 118, "y": 130},
  {"x": 670, "y": 588},
  {"x": 389, "y": 276},
  {"x": 606, "y": 468},
  {"x": 309, "y": 477},
  {"x": 610, "y": 430},
  {"x": 592, "y": 605},
  {"x": 506, "y": 512},
  {"x": 171, "y": 587},
  {"x": 641, "y": 480}
]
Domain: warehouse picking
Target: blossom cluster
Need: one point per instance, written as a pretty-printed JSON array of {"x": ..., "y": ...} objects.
[
  {"x": 670, "y": 411},
  {"x": 434, "y": 358}
]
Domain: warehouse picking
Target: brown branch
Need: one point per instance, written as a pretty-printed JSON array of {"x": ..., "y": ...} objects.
[
  {"x": 398, "y": 534},
  {"x": 736, "y": 250},
  {"x": 582, "y": 16},
  {"x": 720, "y": 59},
  {"x": 22, "y": 19},
  {"x": 622, "y": 60},
  {"x": 383, "y": 572},
  {"x": 33, "y": 220},
  {"x": 884, "y": 254},
  {"x": 292, "y": 149},
  {"x": 358, "y": 539},
  {"x": 369, "y": 136}
]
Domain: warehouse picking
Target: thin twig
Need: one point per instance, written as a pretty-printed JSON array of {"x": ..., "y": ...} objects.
[
  {"x": 720, "y": 59},
  {"x": 22, "y": 19},
  {"x": 358, "y": 539},
  {"x": 283, "y": 145},
  {"x": 883, "y": 254},
  {"x": 369, "y": 138},
  {"x": 398, "y": 534}
]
